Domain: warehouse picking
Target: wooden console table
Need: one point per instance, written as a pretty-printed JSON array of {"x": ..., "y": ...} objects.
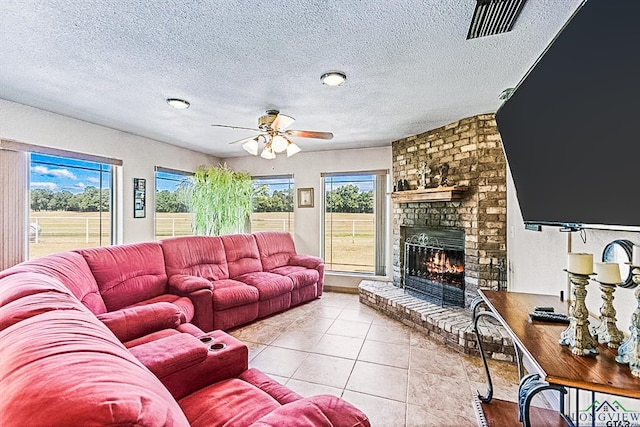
[{"x": 557, "y": 368}]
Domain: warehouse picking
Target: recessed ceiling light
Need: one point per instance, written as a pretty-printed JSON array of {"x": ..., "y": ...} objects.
[
  {"x": 178, "y": 103},
  {"x": 333, "y": 78}
]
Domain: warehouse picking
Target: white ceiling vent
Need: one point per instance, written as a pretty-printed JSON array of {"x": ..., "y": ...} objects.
[{"x": 494, "y": 17}]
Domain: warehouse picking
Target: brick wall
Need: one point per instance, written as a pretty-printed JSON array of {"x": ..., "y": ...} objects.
[{"x": 473, "y": 150}]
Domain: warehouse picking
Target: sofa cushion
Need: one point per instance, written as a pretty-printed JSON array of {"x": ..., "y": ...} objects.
[
  {"x": 276, "y": 247},
  {"x": 134, "y": 322},
  {"x": 191, "y": 329},
  {"x": 153, "y": 336},
  {"x": 231, "y": 402},
  {"x": 64, "y": 367},
  {"x": 242, "y": 254},
  {"x": 270, "y": 386},
  {"x": 127, "y": 274},
  {"x": 72, "y": 270},
  {"x": 235, "y": 316},
  {"x": 318, "y": 411},
  {"x": 201, "y": 256},
  {"x": 301, "y": 276},
  {"x": 183, "y": 304},
  {"x": 32, "y": 294},
  {"x": 232, "y": 293},
  {"x": 269, "y": 285}
]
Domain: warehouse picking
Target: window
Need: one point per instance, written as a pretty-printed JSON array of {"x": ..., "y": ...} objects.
[
  {"x": 272, "y": 204},
  {"x": 70, "y": 204},
  {"x": 172, "y": 217},
  {"x": 355, "y": 222}
]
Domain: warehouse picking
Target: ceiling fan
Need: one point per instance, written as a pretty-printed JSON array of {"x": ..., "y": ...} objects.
[{"x": 275, "y": 135}]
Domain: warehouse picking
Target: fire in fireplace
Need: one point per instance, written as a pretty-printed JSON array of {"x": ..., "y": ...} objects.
[
  {"x": 434, "y": 266},
  {"x": 441, "y": 266}
]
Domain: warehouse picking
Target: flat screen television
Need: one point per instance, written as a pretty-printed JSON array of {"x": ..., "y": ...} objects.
[{"x": 571, "y": 128}]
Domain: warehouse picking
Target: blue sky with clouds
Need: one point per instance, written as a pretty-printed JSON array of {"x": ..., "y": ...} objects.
[{"x": 60, "y": 173}]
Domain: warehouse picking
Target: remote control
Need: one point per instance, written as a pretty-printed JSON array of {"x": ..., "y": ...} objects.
[
  {"x": 547, "y": 309},
  {"x": 545, "y": 316}
]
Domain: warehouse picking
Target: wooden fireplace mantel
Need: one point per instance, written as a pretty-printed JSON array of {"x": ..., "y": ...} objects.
[{"x": 438, "y": 194}]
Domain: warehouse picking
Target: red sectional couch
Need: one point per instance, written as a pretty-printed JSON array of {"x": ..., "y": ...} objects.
[{"x": 103, "y": 336}]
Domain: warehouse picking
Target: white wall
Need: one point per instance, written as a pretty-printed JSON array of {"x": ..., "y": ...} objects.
[
  {"x": 537, "y": 259},
  {"x": 139, "y": 155},
  {"x": 306, "y": 168}
]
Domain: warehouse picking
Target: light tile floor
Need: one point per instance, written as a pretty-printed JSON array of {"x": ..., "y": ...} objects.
[{"x": 397, "y": 376}]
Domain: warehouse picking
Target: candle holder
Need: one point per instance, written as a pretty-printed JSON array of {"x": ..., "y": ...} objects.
[
  {"x": 608, "y": 332},
  {"x": 577, "y": 336},
  {"x": 629, "y": 350}
]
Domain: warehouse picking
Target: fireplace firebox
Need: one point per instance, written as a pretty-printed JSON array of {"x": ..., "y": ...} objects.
[{"x": 434, "y": 266}]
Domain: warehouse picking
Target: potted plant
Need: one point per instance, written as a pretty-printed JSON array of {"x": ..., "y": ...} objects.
[{"x": 219, "y": 199}]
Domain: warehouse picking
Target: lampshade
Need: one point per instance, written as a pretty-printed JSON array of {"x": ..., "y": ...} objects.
[
  {"x": 268, "y": 153},
  {"x": 279, "y": 143},
  {"x": 251, "y": 146},
  {"x": 292, "y": 149}
]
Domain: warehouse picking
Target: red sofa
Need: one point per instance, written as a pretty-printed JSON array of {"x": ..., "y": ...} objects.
[
  {"x": 102, "y": 336},
  {"x": 250, "y": 276}
]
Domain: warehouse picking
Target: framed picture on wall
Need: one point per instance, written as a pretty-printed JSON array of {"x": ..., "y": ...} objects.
[
  {"x": 305, "y": 197},
  {"x": 139, "y": 197}
]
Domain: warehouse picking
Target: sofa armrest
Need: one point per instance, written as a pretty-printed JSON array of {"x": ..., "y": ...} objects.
[
  {"x": 186, "y": 284},
  {"x": 169, "y": 355},
  {"x": 307, "y": 261},
  {"x": 319, "y": 411},
  {"x": 134, "y": 322},
  {"x": 222, "y": 362},
  {"x": 199, "y": 290}
]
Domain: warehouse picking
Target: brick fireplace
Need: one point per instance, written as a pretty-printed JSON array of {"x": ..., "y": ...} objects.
[
  {"x": 472, "y": 149},
  {"x": 433, "y": 265}
]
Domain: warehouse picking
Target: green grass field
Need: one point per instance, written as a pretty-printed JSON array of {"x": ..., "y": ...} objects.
[{"x": 349, "y": 237}]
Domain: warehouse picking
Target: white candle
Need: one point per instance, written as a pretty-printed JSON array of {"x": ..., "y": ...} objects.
[
  {"x": 635, "y": 258},
  {"x": 580, "y": 263},
  {"x": 607, "y": 272}
]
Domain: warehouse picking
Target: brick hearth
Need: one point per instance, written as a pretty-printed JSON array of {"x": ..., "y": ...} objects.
[{"x": 450, "y": 326}]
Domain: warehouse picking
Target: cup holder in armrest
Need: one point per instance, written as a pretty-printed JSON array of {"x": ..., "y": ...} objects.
[
  {"x": 206, "y": 339},
  {"x": 217, "y": 346}
]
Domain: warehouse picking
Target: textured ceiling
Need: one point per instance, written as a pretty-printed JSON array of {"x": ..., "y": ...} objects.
[{"x": 409, "y": 65}]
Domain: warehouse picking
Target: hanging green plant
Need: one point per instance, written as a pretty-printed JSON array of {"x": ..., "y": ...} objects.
[{"x": 219, "y": 199}]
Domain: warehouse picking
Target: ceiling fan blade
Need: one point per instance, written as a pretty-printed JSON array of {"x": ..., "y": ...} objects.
[
  {"x": 247, "y": 139},
  {"x": 237, "y": 127},
  {"x": 309, "y": 134},
  {"x": 282, "y": 122}
]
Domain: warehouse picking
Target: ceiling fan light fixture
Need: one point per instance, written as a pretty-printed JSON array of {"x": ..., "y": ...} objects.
[
  {"x": 333, "y": 78},
  {"x": 180, "y": 104},
  {"x": 251, "y": 146},
  {"x": 268, "y": 153},
  {"x": 292, "y": 149},
  {"x": 274, "y": 135},
  {"x": 279, "y": 143}
]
